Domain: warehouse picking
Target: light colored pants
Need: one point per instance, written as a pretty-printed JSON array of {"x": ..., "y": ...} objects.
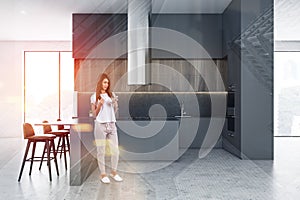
[{"x": 106, "y": 133}]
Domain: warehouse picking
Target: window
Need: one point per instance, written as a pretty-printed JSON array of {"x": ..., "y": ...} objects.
[
  {"x": 48, "y": 85},
  {"x": 286, "y": 93}
]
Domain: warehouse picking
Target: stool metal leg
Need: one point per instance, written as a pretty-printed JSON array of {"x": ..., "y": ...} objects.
[
  {"x": 68, "y": 143},
  {"x": 24, "y": 160},
  {"x": 42, "y": 159},
  {"x": 59, "y": 146},
  {"x": 64, "y": 149},
  {"x": 54, "y": 154},
  {"x": 32, "y": 157},
  {"x": 48, "y": 159}
]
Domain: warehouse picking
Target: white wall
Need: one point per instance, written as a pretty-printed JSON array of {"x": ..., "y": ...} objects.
[{"x": 11, "y": 81}]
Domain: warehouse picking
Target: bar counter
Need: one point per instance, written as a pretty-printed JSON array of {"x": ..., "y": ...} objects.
[{"x": 82, "y": 150}]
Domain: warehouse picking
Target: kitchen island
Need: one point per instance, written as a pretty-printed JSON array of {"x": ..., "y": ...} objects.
[{"x": 139, "y": 139}]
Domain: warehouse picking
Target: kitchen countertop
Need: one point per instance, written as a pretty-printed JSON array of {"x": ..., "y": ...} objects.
[{"x": 146, "y": 118}]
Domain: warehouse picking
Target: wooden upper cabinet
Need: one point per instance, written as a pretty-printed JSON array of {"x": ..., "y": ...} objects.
[{"x": 99, "y": 35}]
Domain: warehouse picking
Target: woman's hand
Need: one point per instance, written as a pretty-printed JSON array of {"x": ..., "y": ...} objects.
[
  {"x": 115, "y": 103},
  {"x": 96, "y": 107},
  {"x": 100, "y": 102}
]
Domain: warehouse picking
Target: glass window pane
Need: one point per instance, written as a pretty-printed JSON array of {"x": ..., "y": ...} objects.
[
  {"x": 286, "y": 20},
  {"x": 66, "y": 84},
  {"x": 286, "y": 94},
  {"x": 41, "y": 86}
]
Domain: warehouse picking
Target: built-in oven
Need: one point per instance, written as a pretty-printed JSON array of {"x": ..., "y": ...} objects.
[{"x": 230, "y": 112}]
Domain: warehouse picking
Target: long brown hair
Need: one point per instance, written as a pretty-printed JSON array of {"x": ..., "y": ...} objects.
[{"x": 99, "y": 86}]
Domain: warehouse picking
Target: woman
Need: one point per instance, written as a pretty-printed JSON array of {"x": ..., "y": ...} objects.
[{"x": 104, "y": 105}]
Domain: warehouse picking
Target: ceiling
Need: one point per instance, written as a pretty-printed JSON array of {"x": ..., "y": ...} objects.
[{"x": 52, "y": 19}]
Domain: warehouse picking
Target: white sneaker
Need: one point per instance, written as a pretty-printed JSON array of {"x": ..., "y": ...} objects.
[
  {"x": 116, "y": 177},
  {"x": 105, "y": 180}
]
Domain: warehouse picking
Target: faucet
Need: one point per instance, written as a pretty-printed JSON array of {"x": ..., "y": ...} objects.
[{"x": 182, "y": 112}]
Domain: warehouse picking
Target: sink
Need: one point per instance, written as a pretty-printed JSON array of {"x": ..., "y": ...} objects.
[{"x": 182, "y": 116}]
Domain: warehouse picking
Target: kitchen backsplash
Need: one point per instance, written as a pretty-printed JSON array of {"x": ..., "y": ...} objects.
[{"x": 87, "y": 72}]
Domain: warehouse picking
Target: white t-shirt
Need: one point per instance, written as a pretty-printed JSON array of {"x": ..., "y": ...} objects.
[{"x": 106, "y": 113}]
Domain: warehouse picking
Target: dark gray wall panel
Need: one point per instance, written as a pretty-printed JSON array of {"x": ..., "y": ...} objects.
[
  {"x": 90, "y": 30},
  {"x": 206, "y": 29},
  {"x": 257, "y": 79},
  {"x": 250, "y": 67},
  {"x": 231, "y": 24},
  {"x": 231, "y": 49}
]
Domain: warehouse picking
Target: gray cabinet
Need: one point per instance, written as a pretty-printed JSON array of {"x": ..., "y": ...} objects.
[
  {"x": 192, "y": 132},
  {"x": 148, "y": 140}
]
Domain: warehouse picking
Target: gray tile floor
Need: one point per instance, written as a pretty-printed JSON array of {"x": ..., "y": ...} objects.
[{"x": 219, "y": 175}]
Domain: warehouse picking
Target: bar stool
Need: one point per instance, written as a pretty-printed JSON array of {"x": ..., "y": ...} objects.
[
  {"x": 29, "y": 134},
  {"x": 62, "y": 135},
  {"x": 67, "y": 130}
]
